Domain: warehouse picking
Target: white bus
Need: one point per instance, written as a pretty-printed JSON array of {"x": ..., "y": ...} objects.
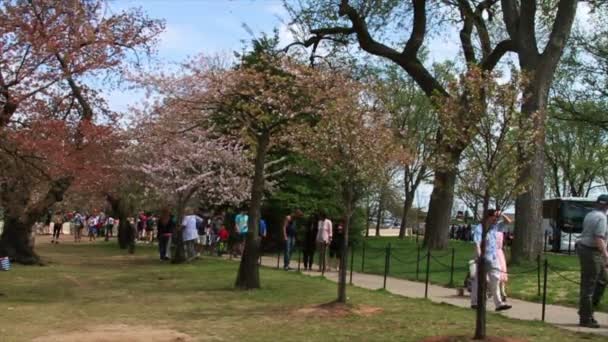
[{"x": 563, "y": 221}]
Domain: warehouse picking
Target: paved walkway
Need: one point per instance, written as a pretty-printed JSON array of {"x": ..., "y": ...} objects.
[{"x": 560, "y": 316}]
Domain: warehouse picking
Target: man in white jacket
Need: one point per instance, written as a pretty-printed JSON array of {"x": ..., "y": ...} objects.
[{"x": 324, "y": 236}]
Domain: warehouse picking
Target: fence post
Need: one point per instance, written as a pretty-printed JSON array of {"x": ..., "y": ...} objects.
[
  {"x": 428, "y": 267},
  {"x": 546, "y": 238},
  {"x": 299, "y": 258},
  {"x": 418, "y": 262},
  {"x": 452, "y": 269},
  {"x": 538, "y": 266},
  {"x": 387, "y": 261},
  {"x": 545, "y": 289},
  {"x": 363, "y": 258},
  {"x": 352, "y": 263},
  {"x": 570, "y": 243}
]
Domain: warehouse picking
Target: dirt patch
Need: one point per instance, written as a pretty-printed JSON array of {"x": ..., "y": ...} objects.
[
  {"x": 468, "y": 338},
  {"x": 338, "y": 310},
  {"x": 118, "y": 333},
  {"x": 74, "y": 280}
]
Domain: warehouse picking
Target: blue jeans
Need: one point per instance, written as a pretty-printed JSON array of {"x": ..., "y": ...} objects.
[{"x": 289, "y": 245}]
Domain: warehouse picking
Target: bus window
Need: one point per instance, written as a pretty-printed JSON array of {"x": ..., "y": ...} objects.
[{"x": 573, "y": 214}]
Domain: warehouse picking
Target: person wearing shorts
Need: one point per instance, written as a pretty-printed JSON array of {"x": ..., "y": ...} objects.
[{"x": 92, "y": 224}]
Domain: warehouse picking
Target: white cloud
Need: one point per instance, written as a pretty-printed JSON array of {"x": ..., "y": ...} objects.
[
  {"x": 285, "y": 34},
  {"x": 179, "y": 39}
]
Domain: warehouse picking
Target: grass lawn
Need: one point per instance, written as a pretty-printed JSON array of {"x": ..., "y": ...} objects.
[
  {"x": 523, "y": 279},
  {"x": 88, "y": 286}
]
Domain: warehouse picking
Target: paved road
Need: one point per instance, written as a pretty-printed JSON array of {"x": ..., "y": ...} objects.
[{"x": 560, "y": 316}]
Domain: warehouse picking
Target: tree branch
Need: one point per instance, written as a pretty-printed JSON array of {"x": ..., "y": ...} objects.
[
  {"x": 490, "y": 61},
  {"x": 560, "y": 31}
]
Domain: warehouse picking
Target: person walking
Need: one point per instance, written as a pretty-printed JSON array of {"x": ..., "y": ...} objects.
[
  {"x": 289, "y": 233},
  {"x": 310, "y": 238},
  {"x": 57, "y": 225},
  {"x": 593, "y": 257},
  {"x": 190, "y": 233},
  {"x": 335, "y": 247},
  {"x": 109, "y": 228},
  {"x": 324, "y": 237},
  {"x": 78, "y": 221},
  {"x": 92, "y": 225},
  {"x": 165, "y": 228},
  {"x": 241, "y": 228},
  {"x": 490, "y": 258},
  {"x": 150, "y": 226}
]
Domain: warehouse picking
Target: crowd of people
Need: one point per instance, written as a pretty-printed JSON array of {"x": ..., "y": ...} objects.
[
  {"x": 218, "y": 235},
  {"x": 212, "y": 233},
  {"x": 461, "y": 232},
  {"x": 319, "y": 235},
  {"x": 97, "y": 225}
]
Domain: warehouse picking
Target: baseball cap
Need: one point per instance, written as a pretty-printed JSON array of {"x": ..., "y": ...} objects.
[{"x": 602, "y": 199}]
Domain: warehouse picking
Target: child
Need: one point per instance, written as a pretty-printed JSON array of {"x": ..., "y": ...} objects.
[{"x": 222, "y": 237}]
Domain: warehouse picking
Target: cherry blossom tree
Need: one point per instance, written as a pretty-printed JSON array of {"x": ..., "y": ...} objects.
[
  {"x": 38, "y": 166},
  {"x": 258, "y": 102},
  {"x": 262, "y": 101},
  {"x": 49, "y": 52},
  {"x": 352, "y": 139},
  {"x": 180, "y": 159}
]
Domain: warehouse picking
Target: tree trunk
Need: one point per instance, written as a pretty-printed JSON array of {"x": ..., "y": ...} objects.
[
  {"x": 349, "y": 199},
  {"x": 379, "y": 213},
  {"x": 248, "y": 276},
  {"x": 177, "y": 237},
  {"x": 440, "y": 207},
  {"x": 540, "y": 67},
  {"x": 480, "y": 322},
  {"x": 407, "y": 205},
  {"x": 126, "y": 234},
  {"x": 16, "y": 238},
  {"x": 17, "y": 241},
  {"x": 528, "y": 205}
]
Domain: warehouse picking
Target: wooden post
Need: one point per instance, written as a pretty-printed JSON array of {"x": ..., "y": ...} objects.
[
  {"x": 428, "y": 268},
  {"x": 452, "y": 268},
  {"x": 545, "y": 290},
  {"x": 352, "y": 263}
]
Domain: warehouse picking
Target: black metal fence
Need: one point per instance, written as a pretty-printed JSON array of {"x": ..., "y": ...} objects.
[{"x": 428, "y": 262}]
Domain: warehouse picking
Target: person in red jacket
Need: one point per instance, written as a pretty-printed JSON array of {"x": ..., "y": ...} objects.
[{"x": 222, "y": 237}]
